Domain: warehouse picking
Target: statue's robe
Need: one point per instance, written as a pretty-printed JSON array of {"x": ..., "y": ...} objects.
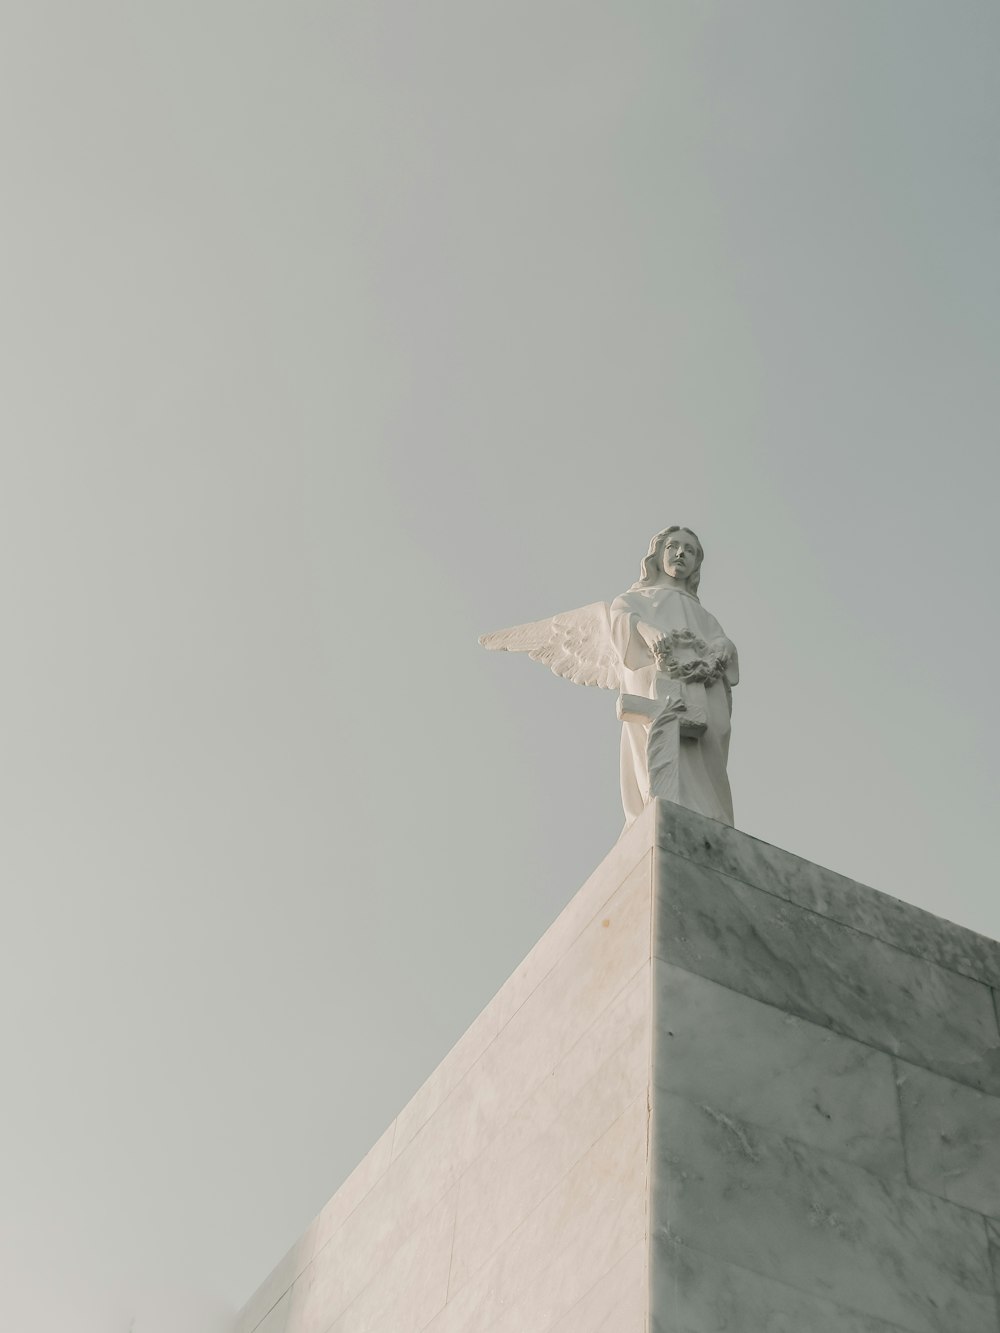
[{"x": 703, "y": 780}]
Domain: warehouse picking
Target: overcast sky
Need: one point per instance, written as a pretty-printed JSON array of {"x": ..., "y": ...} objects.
[{"x": 334, "y": 334}]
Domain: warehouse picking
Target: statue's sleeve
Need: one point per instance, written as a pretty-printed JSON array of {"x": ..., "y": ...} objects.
[
  {"x": 629, "y": 644},
  {"x": 732, "y": 664}
]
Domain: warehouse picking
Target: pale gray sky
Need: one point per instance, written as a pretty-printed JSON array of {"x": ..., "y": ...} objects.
[{"x": 337, "y": 333}]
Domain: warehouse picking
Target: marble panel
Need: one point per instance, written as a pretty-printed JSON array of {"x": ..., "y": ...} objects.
[
  {"x": 859, "y": 986},
  {"x": 277, "y": 1282},
  {"x": 449, "y": 1073},
  {"x": 544, "y": 1140},
  {"x": 407, "y": 1293},
  {"x": 628, "y": 1010},
  {"x": 826, "y": 1227},
  {"x": 993, "y": 1238},
  {"x": 753, "y": 1061},
  {"x": 549, "y": 1025},
  {"x": 616, "y": 1303},
  {"x": 365, "y": 1245},
  {"x": 952, "y": 1138},
  {"x": 707, "y": 842},
  {"x": 362, "y": 1179},
  {"x": 578, "y": 1232},
  {"x": 620, "y": 863},
  {"x": 692, "y": 1292}
]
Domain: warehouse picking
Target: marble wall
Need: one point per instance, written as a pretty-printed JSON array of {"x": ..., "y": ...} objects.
[
  {"x": 728, "y": 1092},
  {"x": 510, "y": 1194},
  {"x": 826, "y": 1100}
]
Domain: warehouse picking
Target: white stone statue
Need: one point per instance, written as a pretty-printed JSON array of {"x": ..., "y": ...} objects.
[{"x": 674, "y": 669}]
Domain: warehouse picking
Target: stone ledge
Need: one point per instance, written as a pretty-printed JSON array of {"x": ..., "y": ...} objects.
[{"x": 762, "y": 866}]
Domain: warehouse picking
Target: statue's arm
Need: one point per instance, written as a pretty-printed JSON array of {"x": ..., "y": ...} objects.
[
  {"x": 732, "y": 672},
  {"x": 633, "y": 639}
]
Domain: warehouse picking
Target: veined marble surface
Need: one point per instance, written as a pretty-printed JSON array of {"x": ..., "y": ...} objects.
[
  {"x": 710, "y": 843},
  {"x": 752, "y": 1061},
  {"x": 815, "y": 1223},
  {"x": 952, "y": 1138},
  {"x": 993, "y": 1235},
  {"x": 695, "y": 1293},
  {"x": 830, "y": 974}
]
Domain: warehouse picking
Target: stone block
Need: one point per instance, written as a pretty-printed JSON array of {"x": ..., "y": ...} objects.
[
  {"x": 578, "y": 1232},
  {"x": 952, "y": 1138},
  {"x": 546, "y": 1137},
  {"x": 770, "y": 1068},
  {"x": 826, "y": 1227},
  {"x": 727, "y": 1092},
  {"x": 993, "y": 1236},
  {"x": 616, "y": 1303},
  {"x": 832, "y": 975},
  {"x": 706, "y": 842},
  {"x": 694, "y": 1292},
  {"x": 413, "y": 1285}
]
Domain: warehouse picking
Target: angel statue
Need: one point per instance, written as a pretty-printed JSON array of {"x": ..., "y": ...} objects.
[{"x": 674, "y": 669}]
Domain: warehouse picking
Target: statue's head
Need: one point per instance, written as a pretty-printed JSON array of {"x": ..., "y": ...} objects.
[{"x": 677, "y": 553}]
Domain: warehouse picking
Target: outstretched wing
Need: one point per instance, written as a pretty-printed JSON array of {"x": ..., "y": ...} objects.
[{"x": 575, "y": 644}]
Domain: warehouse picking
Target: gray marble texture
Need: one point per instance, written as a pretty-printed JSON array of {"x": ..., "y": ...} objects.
[
  {"x": 952, "y": 1137},
  {"x": 747, "y": 1059},
  {"x": 693, "y": 1292},
  {"x": 832, "y": 975},
  {"x": 707, "y": 842},
  {"x": 825, "y": 1227},
  {"x": 993, "y": 1236}
]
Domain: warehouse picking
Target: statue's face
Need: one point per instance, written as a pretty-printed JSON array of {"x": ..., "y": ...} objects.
[{"x": 680, "y": 555}]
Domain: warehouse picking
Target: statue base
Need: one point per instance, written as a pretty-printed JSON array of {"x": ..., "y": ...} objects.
[{"x": 728, "y": 1089}]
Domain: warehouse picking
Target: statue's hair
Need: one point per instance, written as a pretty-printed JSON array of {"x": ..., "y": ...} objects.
[{"x": 652, "y": 565}]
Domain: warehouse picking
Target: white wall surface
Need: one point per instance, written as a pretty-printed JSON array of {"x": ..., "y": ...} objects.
[{"x": 510, "y": 1193}]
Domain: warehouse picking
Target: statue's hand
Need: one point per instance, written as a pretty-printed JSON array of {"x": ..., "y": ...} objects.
[{"x": 662, "y": 649}]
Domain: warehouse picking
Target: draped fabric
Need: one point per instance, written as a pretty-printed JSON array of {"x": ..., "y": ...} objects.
[{"x": 703, "y": 780}]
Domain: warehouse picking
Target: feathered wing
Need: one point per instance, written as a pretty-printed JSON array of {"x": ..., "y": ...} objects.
[{"x": 575, "y": 644}]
